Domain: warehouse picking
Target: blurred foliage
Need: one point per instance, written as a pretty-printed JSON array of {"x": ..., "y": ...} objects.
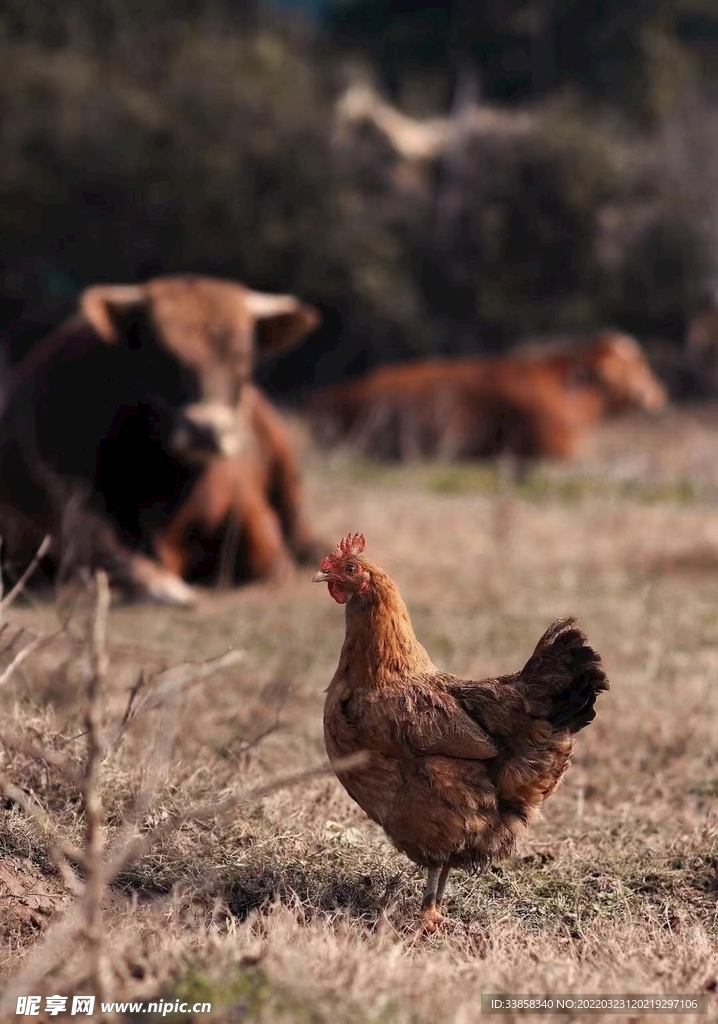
[
  {"x": 663, "y": 274},
  {"x": 150, "y": 136},
  {"x": 633, "y": 54},
  {"x": 184, "y": 145},
  {"x": 517, "y": 250}
]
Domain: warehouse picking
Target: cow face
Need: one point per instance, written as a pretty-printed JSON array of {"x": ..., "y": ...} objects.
[
  {"x": 621, "y": 370},
  {"x": 193, "y": 340}
]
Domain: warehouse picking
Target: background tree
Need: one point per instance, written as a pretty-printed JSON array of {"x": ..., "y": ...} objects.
[{"x": 139, "y": 138}]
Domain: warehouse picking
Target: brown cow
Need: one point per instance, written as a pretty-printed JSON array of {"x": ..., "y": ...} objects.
[
  {"x": 531, "y": 404},
  {"x": 112, "y": 418}
]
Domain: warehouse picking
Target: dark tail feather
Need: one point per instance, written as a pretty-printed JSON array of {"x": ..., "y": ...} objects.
[{"x": 566, "y": 676}]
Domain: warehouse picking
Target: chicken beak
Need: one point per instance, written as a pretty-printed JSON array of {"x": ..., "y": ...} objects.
[{"x": 321, "y": 577}]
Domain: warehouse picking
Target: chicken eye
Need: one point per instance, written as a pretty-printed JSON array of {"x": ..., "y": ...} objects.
[{"x": 351, "y": 569}]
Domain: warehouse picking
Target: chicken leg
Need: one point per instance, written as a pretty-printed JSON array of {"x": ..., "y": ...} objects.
[{"x": 431, "y": 916}]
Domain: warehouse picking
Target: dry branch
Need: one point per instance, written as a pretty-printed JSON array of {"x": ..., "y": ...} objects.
[
  {"x": 24, "y": 653},
  {"x": 94, "y": 873},
  {"x": 100, "y": 867},
  {"x": 169, "y": 684},
  {"x": 127, "y": 853},
  {"x": 19, "y": 586}
]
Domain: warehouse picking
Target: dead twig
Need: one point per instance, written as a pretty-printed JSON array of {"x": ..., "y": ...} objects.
[
  {"x": 24, "y": 653},
  {"x": 174, "y": 680},
  {"x": 94, "y": 874},
  {"x": 247, "y": 745},
  {"x": 167, "y": 686},
  {"x": 131, "y": 704},
  {"x": 19, "y": 586},
  {"x": 99, "y": 865},
  {"x": 47, "y": 954},
  {"x": 272, "y": 698}
]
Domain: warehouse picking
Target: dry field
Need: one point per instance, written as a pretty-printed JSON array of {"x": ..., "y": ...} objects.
[{"x": 288, "y": 905}]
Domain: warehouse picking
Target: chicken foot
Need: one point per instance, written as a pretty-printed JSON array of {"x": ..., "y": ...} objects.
[{"x": 431, "y": 916}]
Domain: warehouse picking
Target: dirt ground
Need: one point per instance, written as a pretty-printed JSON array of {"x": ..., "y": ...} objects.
[{"x": 294, "y": 907}]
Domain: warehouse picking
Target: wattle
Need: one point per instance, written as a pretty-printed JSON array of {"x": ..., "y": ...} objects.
[{"x": 338, "y": 593}]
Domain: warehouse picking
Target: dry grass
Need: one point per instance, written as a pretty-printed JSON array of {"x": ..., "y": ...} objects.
[{"x": 294, "y": 907}]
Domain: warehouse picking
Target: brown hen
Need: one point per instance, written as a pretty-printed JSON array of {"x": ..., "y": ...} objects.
[{"x": 455, "y": 770}]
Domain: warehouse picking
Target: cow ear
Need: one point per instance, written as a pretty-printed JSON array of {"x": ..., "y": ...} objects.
[
  {"x": 102, "y": 304},
  {"x": 280, "y": 333},
  {"x": 281, "y": 321}
]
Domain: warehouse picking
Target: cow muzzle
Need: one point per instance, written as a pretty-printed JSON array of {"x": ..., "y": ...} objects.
[{"x": 204, "y": 430}]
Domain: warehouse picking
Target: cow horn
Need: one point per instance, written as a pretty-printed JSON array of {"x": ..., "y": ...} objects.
[
  {"x": 263, "y": 305},
  {"x": 97, "y": 303}
]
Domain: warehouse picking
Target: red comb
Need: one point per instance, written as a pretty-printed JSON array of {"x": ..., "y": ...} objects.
[{"x": 352, "y": 544}]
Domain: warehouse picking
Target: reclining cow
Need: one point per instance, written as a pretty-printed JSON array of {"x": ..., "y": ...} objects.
[
  {"x": 114, "y": 416},
  {"x": 537, "y": 404}
]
